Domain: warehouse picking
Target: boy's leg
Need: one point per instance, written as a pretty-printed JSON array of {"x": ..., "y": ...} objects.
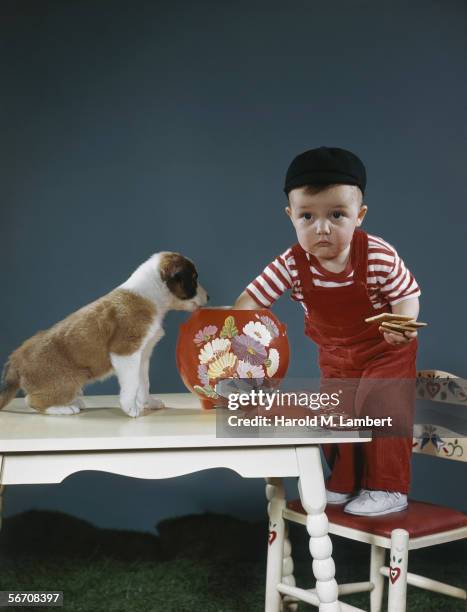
[
  {"x": 345, "y": 463},
  {"x": 387, "y": 462},
  {"x": 387, "y": 458},
  {"x": 387, "y": 477},
  {"x": 344, "y": 460}
]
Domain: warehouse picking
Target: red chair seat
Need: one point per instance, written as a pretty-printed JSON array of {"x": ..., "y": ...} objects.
[{"x": 420, "y": 519}]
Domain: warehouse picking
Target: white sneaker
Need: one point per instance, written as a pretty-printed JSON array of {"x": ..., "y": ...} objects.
[
  {"x": 376, "y": 503},
  {"x": 337, "y": 498}
]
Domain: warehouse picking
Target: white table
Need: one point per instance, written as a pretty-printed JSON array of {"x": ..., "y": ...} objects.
[{"x": 180, "y": 439}]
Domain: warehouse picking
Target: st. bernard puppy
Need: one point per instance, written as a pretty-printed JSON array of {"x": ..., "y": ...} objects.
[{"x": 114, "y": 334}]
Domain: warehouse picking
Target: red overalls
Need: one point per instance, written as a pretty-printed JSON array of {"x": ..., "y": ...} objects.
[{"x": 351, "y": 348}]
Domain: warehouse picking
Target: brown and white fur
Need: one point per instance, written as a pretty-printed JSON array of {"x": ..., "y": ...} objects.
[{"x": 113, "y": 335}]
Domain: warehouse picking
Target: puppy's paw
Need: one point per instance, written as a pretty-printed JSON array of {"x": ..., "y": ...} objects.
[
  {"x": 79, "y": 401},
  {"x": 71, "y": 409},
  {"x": 154, "y": 404},
  {"x": 131, "y": 408}
]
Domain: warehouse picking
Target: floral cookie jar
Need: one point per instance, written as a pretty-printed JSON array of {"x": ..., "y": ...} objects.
[{"x": 219, "y": 343}]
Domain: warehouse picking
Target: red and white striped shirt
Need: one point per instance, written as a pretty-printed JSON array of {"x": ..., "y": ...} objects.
[{"x": 389, "y": 281}]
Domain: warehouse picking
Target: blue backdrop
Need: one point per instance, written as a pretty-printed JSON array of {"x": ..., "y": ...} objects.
[{"x": 129, "y": 128}]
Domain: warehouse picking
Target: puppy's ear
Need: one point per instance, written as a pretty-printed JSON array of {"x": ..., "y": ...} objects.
[
  {"x": 171, "y": 267},
  {"x": 179, "y": 274},
  {"x": 176, "y": 275}
]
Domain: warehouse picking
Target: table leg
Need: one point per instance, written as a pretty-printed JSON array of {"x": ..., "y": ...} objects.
[
  {"x": 276, "y": 497},
  {"x": 313, "y": 498},
  {"x": 289, "y": 604},
  {"x": 2, "y": 490}
]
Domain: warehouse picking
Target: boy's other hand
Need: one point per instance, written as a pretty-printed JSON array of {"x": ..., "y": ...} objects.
[
  {"x": 395, "y": 338},
  {"x": 246, "y": 302}
]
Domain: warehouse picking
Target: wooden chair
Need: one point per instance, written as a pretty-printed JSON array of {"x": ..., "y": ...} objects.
[{"x": 420, "y": 526}]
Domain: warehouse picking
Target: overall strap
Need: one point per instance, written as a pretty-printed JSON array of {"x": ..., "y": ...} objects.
[
  {"x": 303, "y": 265},
  {"x": 359, "y": 256}
]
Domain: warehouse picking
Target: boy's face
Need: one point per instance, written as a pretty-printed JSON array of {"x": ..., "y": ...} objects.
[{"x": 325, "y": 221}]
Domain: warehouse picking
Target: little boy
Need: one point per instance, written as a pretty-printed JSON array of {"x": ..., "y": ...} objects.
[{"x": 342, "y": 275}]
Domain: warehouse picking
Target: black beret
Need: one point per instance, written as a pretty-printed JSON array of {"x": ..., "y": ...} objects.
[{"x": 325, "y": 165}]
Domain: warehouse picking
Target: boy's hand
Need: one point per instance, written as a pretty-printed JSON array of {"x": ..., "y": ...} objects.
[
  {"x": 246, "y": 302},
  {"x": 407, "y": 307},
  {"x": 396, "y": 338}
]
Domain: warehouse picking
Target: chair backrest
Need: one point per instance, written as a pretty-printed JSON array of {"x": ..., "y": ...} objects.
[{"x": 429, "y": 439}]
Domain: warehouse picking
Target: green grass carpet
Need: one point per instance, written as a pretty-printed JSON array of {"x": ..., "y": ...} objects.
[{"x": 205, "y": 563}]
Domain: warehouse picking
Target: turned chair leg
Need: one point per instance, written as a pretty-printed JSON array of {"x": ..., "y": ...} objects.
[
  {"x": 398, "y": 562},
  {"x": 377, "y": 560}
]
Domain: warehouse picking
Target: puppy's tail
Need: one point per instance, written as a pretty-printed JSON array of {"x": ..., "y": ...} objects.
[{"x": 9, "y": 384}]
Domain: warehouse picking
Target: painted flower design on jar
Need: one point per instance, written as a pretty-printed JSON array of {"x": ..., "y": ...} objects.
[{"x": 218, "y": 343}]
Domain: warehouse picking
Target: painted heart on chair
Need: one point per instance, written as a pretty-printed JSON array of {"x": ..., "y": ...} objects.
[
  {"x": 432, "y": 388},
  {"x": 272, "y": 536},
  {"x": 394, "y": 573}
]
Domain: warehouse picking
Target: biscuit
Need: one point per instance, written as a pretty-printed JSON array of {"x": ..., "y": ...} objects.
[
  {"x": 396, "y": 327},
  {"x": 414, "y": 324},
  {"x": 388, "y": 316}
]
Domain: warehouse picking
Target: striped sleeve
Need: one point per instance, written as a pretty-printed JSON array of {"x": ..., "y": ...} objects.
[
  {"x": 388, "y": 274},
  {"x": 273, "y": 281}
]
